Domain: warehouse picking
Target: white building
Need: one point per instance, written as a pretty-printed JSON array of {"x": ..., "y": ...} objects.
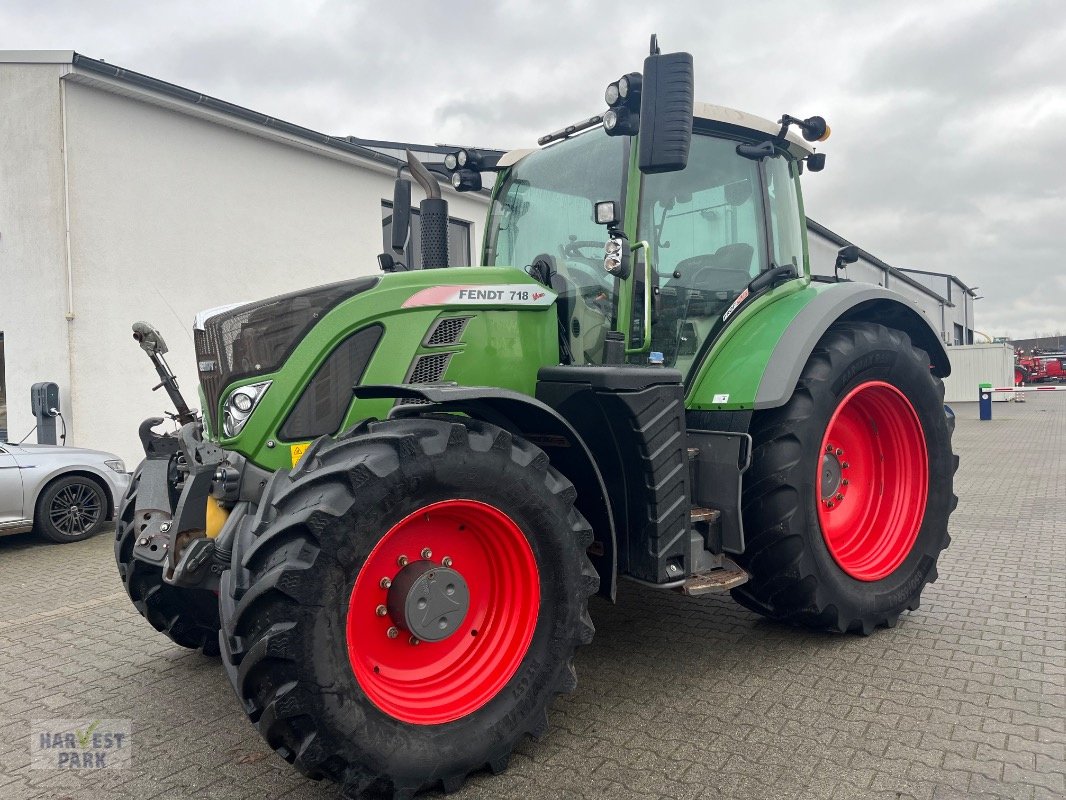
[
  {"x": 944, "y": 300},
  {"x": 124, "y": 198}
]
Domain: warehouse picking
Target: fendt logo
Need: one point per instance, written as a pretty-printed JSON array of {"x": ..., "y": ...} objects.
[
  {"x": 481, "y": 294},
  {"x": 508, "y": 294}
]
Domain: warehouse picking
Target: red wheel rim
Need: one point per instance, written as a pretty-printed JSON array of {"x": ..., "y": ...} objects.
[
  {"x": 432, "y": 682},
  {"x": 872, "y": 481}
]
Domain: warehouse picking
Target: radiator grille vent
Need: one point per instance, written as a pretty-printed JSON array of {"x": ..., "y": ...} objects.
[
  {"x": 426, "y": 369},
  {"x": 429, "y": 369},
  {"x": 447, "y": 331}
]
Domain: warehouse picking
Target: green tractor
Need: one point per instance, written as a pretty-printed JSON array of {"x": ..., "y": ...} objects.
[{"x": 404, "y": 489}]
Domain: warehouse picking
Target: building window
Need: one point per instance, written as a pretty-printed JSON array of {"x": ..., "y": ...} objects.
[
  {"x": 458, "y": 238},
  {"x": 958, "y": 334}
]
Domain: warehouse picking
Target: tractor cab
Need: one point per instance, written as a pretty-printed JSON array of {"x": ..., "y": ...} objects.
[{"x": 698, "y": 236}]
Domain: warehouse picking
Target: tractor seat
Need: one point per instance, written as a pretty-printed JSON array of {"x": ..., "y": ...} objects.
[
  {"x": 728, "y": 269},
  {"x": 709, "y": 283}
]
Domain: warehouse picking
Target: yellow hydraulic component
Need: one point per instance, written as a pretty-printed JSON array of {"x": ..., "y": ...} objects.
[{"x": 216, "y": 517}]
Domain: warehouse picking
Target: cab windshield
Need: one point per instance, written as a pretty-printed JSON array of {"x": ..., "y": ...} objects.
[{"x": 544, "y": 207}]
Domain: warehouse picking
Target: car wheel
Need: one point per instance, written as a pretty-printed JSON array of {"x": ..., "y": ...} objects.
[{"x": 71, "y": 509}]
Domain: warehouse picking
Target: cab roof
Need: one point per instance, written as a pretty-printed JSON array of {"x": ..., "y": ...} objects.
[{"x": 720, "y": 115}]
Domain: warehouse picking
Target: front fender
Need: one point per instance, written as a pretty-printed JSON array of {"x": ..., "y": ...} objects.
[{"x": 537, "y": 423}]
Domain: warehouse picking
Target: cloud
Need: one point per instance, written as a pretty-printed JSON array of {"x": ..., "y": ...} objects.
[{"x": 947, "y": 117}]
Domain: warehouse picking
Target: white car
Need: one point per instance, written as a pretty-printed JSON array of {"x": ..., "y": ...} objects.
[{"x": 64, "y": 493}]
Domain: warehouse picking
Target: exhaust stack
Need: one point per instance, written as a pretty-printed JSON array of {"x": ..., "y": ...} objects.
[{"x": 433, "y": 214}]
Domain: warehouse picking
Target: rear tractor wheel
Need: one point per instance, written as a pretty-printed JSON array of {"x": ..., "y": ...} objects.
[
  {"x": 847, "y": 501},
  {"x": 408, "y": 604}
]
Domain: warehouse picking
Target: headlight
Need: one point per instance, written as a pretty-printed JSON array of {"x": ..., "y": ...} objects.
[
  {"x": 240, "y": 405},
  {"x": 242, "y": 401},
  {"x": 117, "y": 465}
]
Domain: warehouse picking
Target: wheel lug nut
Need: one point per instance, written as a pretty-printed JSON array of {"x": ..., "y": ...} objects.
[
  {"x": 845, "y": 482},
  {"x": 845, "y": 465},
  {"x": 393, "y": 632},
  {"x": 402, "y": 561},
  {"x": 840, "y": 497},
  {"x": 426, "y": 552},
  {"x": 828, "y": 503},
  {"x": 446, "y": 561},
  {"x": 840, "y": 452},
  {"x": 413, "y": 641},
  {"x": 829, "y": 448},
  {"x": 385, "y": 583},
  {"x": 381, "y": 611}
]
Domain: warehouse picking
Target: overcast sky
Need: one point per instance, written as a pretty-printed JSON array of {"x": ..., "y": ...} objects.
[{"x": 948, "y": 119}]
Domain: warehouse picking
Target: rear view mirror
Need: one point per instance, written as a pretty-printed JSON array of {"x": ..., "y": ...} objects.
[
  {"x": 666, "y": 112},
  {"x": 848, "y": 255}
]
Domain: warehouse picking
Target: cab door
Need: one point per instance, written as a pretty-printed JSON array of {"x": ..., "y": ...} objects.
[
  {"x": 11, "y": 494},
  {"x": 706, "y": 239}
]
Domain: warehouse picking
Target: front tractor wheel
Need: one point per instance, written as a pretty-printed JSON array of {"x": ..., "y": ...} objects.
[
  {"x": 408, "y": 604},
  {"x": 846, "y": 504}
]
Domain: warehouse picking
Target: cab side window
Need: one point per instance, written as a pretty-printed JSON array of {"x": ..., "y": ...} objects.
[{"x": 785, "y": 213}]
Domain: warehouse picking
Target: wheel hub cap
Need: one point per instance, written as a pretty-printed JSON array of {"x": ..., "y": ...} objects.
[
  {"x": 428, "y": 600},
  {"x": 830, "y": 476}
]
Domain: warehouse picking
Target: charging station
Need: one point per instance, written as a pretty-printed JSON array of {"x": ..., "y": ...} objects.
[{"x": 44, "y": 403}]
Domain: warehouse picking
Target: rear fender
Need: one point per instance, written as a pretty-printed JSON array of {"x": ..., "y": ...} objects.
[
  {"x": 539, "y": 424},
  {"x": 850, "y": 302},
  {"x": 757, "y": 360}
]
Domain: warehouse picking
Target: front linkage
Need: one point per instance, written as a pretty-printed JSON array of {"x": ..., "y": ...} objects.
[{"x": 174, "y": 525}]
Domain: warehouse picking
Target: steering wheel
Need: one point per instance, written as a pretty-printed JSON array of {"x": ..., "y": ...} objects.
[{"x": 572, "y": 250}]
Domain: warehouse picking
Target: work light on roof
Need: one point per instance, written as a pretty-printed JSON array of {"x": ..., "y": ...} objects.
[
  {"x": 620, "y": 121},
  {"x": 466, "y": 180},
  {"x": 629, "y": 88},
  {"x": 613, "y": 95},
  {"x": 451, "y": 162}
]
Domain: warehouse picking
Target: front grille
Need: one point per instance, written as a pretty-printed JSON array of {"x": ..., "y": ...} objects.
[
  {"x": 210, "y": 374},
  {"x": 446, "y": 331}
]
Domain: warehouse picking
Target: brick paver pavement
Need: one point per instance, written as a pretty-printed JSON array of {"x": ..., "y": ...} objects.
[{"x": 679, "y": 698}]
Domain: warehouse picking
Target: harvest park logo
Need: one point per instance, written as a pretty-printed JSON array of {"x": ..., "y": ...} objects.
[{"x": 80, "y": 744}]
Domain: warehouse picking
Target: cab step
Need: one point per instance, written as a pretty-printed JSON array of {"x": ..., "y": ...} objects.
[
  {"x": 698, "y": 514},
  {"x": 728, "y": 576}
]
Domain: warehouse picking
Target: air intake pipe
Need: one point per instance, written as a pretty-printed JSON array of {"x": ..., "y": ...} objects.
[{"x": 433, "y": 215}]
